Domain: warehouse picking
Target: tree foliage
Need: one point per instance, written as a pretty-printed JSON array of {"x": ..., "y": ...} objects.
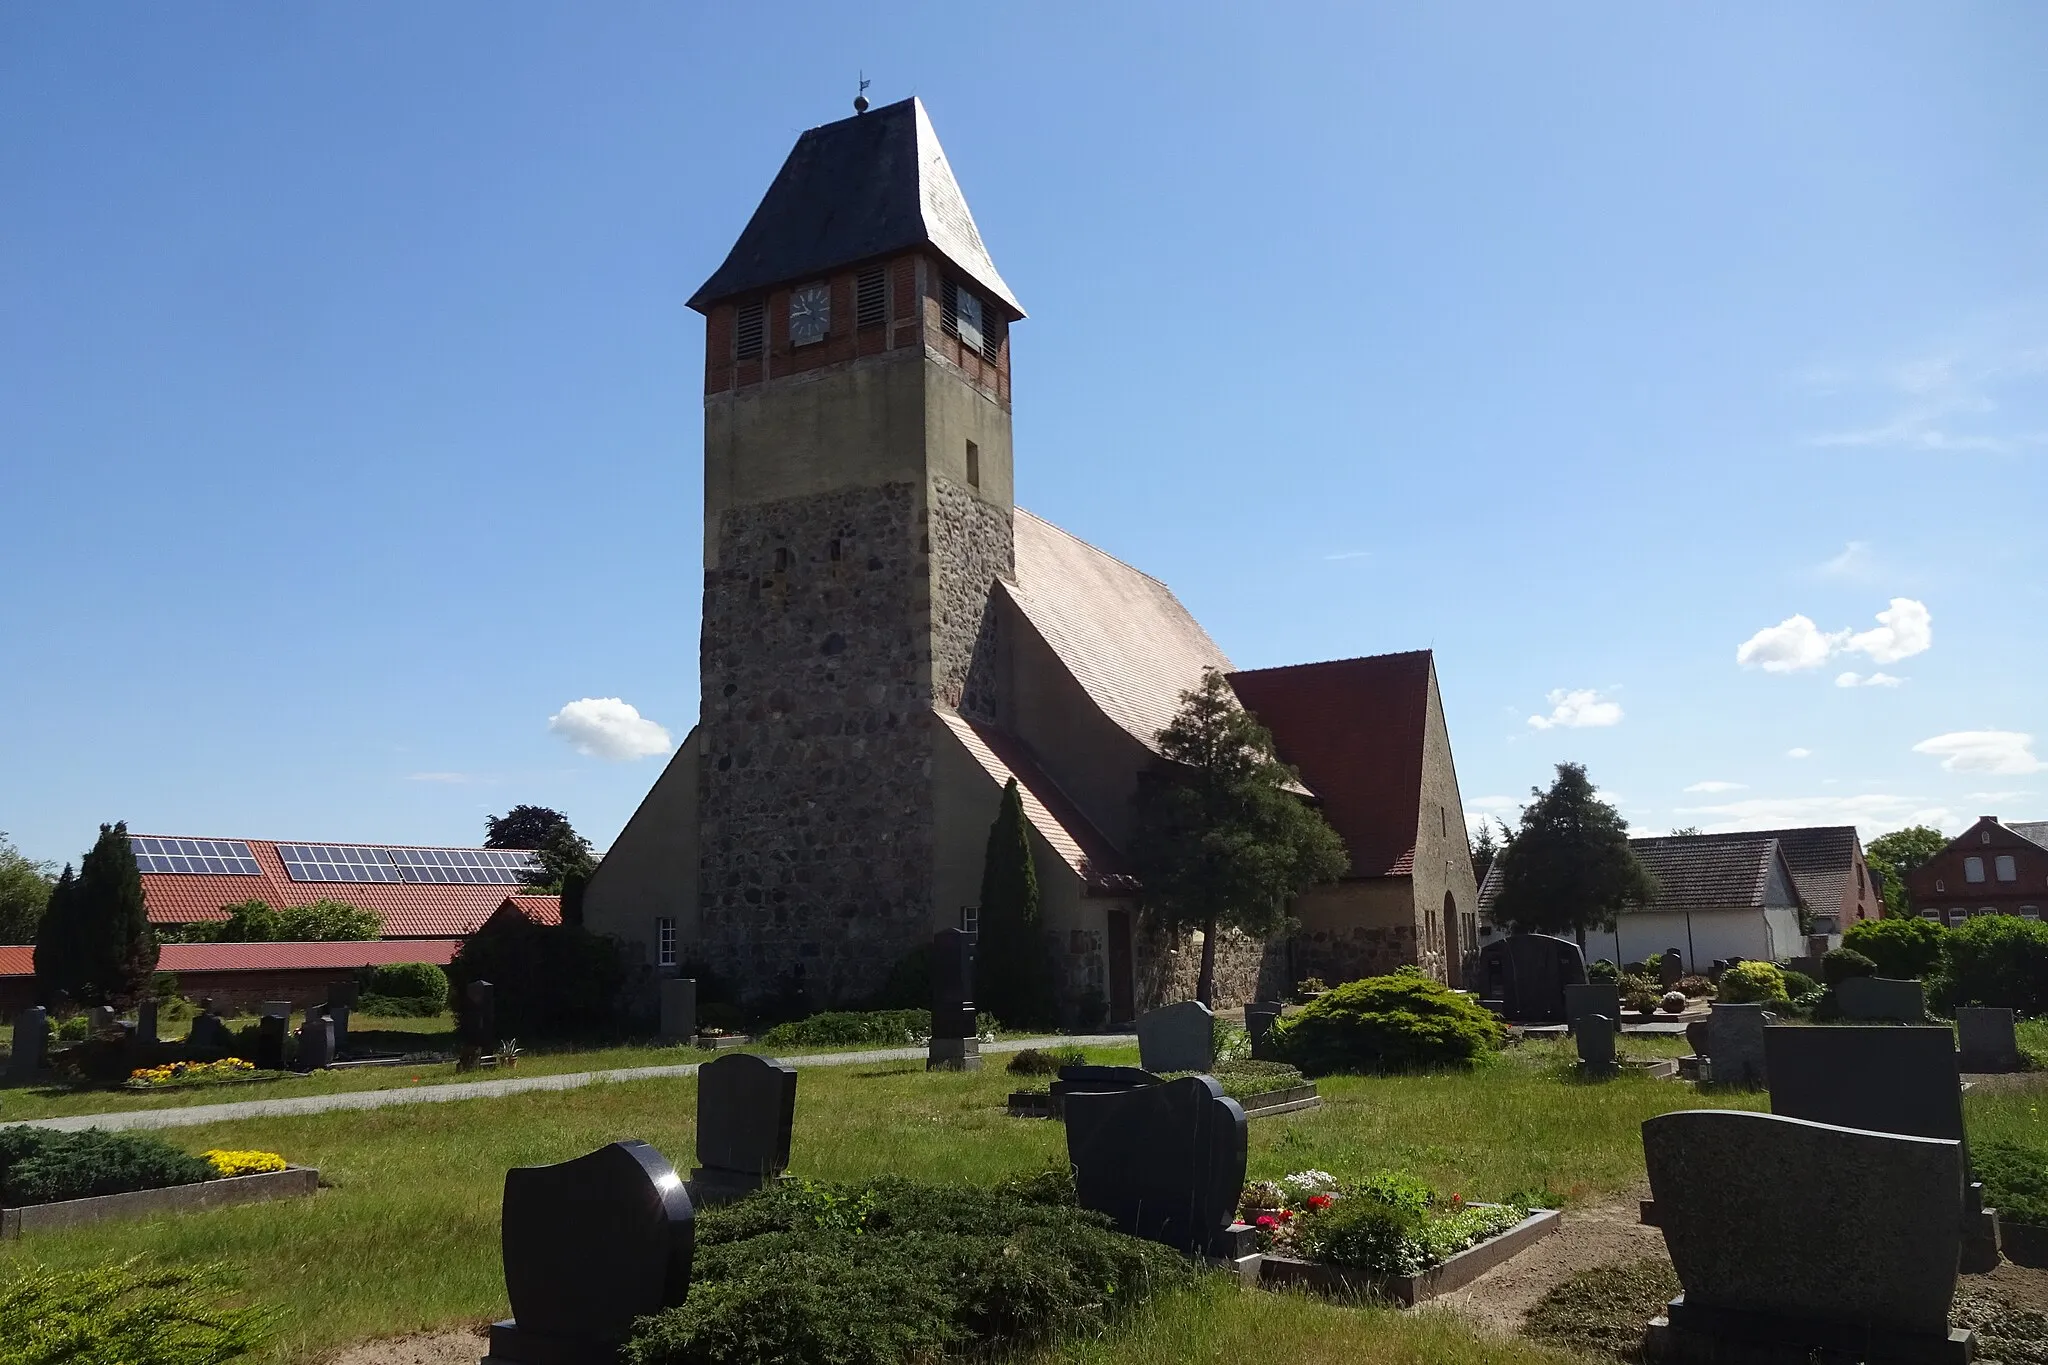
[
  {"x": 320, "y": 921},
  {"x": 552, "y": 980},
  {"x": 1901, "y": 948},
  {"x": 95, "y": 943},
  {"x": 1221, "y": 842},
  {"x": 523, "y": 827},
  {"x": 1484, "y": 848},
  {"x": 1014, "y": 978},
  {"x": 24, "y": 891},
  {"x": 1569, "y": 866},
  {"x": 565, "y": 857},
  {"x": 1893, "y": 855}
]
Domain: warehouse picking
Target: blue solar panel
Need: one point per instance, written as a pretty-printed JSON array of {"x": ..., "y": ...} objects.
[
  {"x": 336, "y": 863},
  {"x": 221, "y": 857},
  {"x": 473, "y": 866}
]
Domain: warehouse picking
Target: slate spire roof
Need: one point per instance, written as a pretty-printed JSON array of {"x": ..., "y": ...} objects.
[{"x": 867, "y": 186}]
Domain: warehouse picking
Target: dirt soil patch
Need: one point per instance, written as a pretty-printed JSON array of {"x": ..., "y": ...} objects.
[
  {"x": 460, "y": 1347},
  {"x": 1499, "y": 1300}
]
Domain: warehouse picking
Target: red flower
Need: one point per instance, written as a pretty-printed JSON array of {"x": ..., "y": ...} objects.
[
  {"x": 1285, "y": 1214},
  {"x": 1319, "y": 1202},
  {"x": 1266, "y": 1220}
]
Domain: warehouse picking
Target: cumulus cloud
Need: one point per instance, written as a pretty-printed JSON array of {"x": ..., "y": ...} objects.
[
  {"x": 1799, "y": 753},
  {"x": 606, "y": 727},
  {"x": 1873, "y": 812},
  {"x": 1984, "y": 751},
  {"x": 1578, "y": 709},
  {"x": 1795, "y": 644},
  {"x": 1711, "y": 786},
  {"x": 1874, "y": 680}
]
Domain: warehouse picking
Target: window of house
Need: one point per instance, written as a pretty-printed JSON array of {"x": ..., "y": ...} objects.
[
  {"x": 2030, "y": 912},
  {"x": 973, "y": 465},
  {"x": 870, "y": 298},
  {"x": 1938, "y": 885},
  {"x": 1860, "y": 892},
  {"x": 665, "y": 942},
  {"x": 970, "y": 921},
  {"x": 750, "y": 327},
  {"x": 1957, "y": 916},
  {"x": 1934, "y": 915},
  {"x": 1973, "y": 869},
  {"x": 2007, "y": 869}
]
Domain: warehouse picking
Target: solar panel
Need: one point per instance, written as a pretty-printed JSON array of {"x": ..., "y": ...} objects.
[
  {"x": 475, "y": 866},
  {"x": 221, "y": 857},
  {"x": 336, "y": 863}
]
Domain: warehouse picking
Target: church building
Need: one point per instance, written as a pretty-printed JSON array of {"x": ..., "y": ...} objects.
[{"x": 888, "y": 639}]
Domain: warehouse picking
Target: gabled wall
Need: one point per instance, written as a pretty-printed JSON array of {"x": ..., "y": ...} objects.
[
  {"x": 1443, "y": 859},
  {"x": 650, "y": 871}
]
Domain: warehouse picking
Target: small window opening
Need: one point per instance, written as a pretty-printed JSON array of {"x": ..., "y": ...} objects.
[
  {"x": 973, "y": 465},
  {"x": 870, "y": 298},
  {"x": 749, "y": 329},
  {"x": 664, "y": 942},
  {"x": 2008, "y": 870},
  {"x": 1973, "y": 869},
  {"x": 832, "y": 548},
  {"x": 781, "y": 558},
  {"x": 970, "y": 920}
]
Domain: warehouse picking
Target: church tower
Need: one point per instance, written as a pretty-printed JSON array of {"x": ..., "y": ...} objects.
[{"x": 857, "y": 513}]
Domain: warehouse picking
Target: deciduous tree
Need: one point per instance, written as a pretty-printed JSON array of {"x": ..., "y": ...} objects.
[
  {"x": 1893, "y": 855},
  {"x": 24, "y": 891},
  {"x": 1569, "y": 866}
]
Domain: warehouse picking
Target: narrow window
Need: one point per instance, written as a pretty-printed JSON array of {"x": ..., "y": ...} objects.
[
  {"x": 1983, "y": 836},
  {"x": 970, "y": 920},
  {"x": 664, "y": 942},
  {"x": 870, "y": 298},
  {"x": 833, "y": 549},
  {"x": 973, "y": 465},
  {"x": 2007, "y": 869},
  {"x": 781, "y": 559},
  {"x": 748, "y": 331},
  {"x": 1973, "y": 869},
  {"x": 967, "y": 312},
  {"x": 1443, "y": 821}
]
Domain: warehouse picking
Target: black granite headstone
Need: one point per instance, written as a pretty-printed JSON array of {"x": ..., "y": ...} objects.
[
  {"x": 746, "y": 1115},
  {"x": 271, "y": 1030},
  {"x": 480, "y": 1015},
  {"x": 1259, "y": 1018},
  {"x": 316, "y": 1041},
  {"x": 589, "y": 1245},
  {"x": 1100, "y": 1080},
  {"x": 31, "y": 1043},
  {"x": 1671, "y": 968},
  {"x": 953, "y": 984},
  {"x": 1527, "y": 973},
  {"x": 1165, "y": 1162},
  {"x": 209, "y": 1033}
]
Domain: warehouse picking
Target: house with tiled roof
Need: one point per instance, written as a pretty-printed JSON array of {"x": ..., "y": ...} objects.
[
  {"x": 888, "y": 640},
  {"x": 420, "y": 892},
  {"x": 241, "y": 976},
  {"x": 1994, "y": 867}
]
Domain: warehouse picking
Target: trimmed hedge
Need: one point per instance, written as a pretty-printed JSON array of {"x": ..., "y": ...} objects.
[
  {"x": 1839, "y": 964},
  {"x": 1402, "y": 1022},
  {"x": 1900, "y": 946},
  {"x": 41, "y": 1166},
  {"x": 874, "y": 1274},
  {"x": 551, "y": 980},
  {"x": 422, "y": 984},
  {"x": 1999, "y": 960}
]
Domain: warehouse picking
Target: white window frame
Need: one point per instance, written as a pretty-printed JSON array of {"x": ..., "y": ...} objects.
[
  {"x": 970, "y": 921},
  {"x": 665, "y": 941}
]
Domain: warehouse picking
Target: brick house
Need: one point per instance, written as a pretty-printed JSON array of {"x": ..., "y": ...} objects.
[
  {"x": 1991, "y": 868},
  {"x": 239, "y": 977}
]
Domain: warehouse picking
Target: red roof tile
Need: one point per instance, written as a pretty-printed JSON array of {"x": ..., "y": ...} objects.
[
  {"x": 1354, "y": 728},
  {"x": 1058, "y": 820},
  {"x": 409, "y": 909},
  {"x": 186, "y": 958},
  {"x": 535, "y": 909}
]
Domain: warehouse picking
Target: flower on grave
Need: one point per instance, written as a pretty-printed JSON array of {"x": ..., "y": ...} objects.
[
  {"x": 1318, "y": 1202},
  {"x": 1457, "y": 1200},
  {"x": 1267, "y": 1221},
  {"x": 1286, "y": 1214},
  {"x": 1304, "y": 1183},
  {"x": 228, "y": 1163}
]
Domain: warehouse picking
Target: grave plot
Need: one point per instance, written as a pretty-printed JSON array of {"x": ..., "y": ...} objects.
[
  {"x": 51, "y": 1180},
  {"x": 1261, "y": 1088}
]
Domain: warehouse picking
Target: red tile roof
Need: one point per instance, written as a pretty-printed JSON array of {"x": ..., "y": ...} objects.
[
  {"x": 189, "y": 958},
  {"x": 1354, "y": 728},
  {"x": 1058, "y": 820},
  {"x": 409, "y": 909},
  {"x": 535, "y": 909}
]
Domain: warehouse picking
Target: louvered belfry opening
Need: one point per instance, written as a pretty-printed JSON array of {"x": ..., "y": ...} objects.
[
  {"x": 871, "y": 298},
  {"x": 750, "y": 330}
]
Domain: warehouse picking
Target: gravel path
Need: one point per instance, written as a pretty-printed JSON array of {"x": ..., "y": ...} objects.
[{"x": 511, "y": 1085}]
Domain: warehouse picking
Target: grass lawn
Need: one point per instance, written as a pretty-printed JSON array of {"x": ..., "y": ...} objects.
[{"x": 406, "y": 1238}]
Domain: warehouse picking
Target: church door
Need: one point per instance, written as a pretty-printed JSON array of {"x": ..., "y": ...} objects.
[{"x": 1122, "y": 1006}]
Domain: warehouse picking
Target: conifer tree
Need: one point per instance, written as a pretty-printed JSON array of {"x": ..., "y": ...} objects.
[
  {"x": 58, "y": 955},
  {"x": 1569, "y": 867},
  {"x": 97, "y": 945},
  {"x": 1013, "y": 970}
]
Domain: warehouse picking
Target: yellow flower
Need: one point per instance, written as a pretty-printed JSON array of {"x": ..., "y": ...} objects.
[{"x": 243, "y": 1163}]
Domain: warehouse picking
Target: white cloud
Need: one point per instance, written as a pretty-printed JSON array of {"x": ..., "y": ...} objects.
[
  {"x": 606, "y": 727},
  {"x": 1578, "y": 709},
  {"x": 1874, "y": 680},
  {"x": 1350, "y": 554},
  {"x": 1984, "y": 751},
  {"x": 1998, "y": 796},
  {"x": 1872, "y": 812},
  {"x": 1946, "y": 401},
  {"x": 1795, "y": 644},
  {"x": 1711, "y": 787},
  {"x": 1799, "y": 753},
  {"x": 1855, "y": 561}
]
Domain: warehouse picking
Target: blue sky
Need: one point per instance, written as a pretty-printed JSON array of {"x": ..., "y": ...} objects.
[{"x": 350, "y": 427}]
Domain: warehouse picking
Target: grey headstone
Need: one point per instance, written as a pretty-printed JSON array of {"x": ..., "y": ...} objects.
[
  {"x": 1698, "y": 1032},
  {"x": 1878, "y": 997},
  {"x": 1527, "y": 973},
  {"x": 1602, "y": 998},
  {"x": 210, "y": 1032},
  {"x": 589, "y": 1246},
  {"x": 480, "y": 1015},
  {"x": 270, "y": 1035},
  {"x": 316, "y": 1041},
  {"x": 746, "y": 1114},
  {"x": 1735, "y": 1044},
  {"x": 145, "y": 1022},
  {"x": 1595, "y": 1038},
  {"x": 1165, "y": 1162},
  {"x": 99, "y": 1021},
  {"x": 31, "y": 1044},
  {"x": 1805, "y": 1231},
  {"x": 339, "y": 1014},
  {"x": 952, "y": 984},
  {"x": 1671, "y": 969},
  {"x": 678, "y": 1008},
  {"x": 1259, "y": 1019},
  {"x": 1990, "y": 1039},
  {"x": 1178, "y": 1037}
]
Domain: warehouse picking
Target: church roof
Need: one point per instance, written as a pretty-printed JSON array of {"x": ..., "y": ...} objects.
[
  {"x": 1122, "y": 634},
  {"x": 1354, "y": 728},
  {"x": 867, "y": 186},
  {"x": 1058, "y": 820}
]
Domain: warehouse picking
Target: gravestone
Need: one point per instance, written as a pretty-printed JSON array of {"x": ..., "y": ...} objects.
[
  {"x": 954, "y": 1045},
  {"x": 480, "y": 1015},
  {"x": 209, "y": 1032},
  {"x": 281, "y": 1008},
  {"x": 341, "y": 1003},
  {"x": 1792, "y": 1238},
  {"x": 1178, "y": 1037},
  {"x": 1596, "y": 1046},
  {"x": 1100, "y": 1080},
  {"x": 270, "y": 1038},
  {"x": 145, "y": 1023},
  {"x": 1259, "y": 1019},
  {"x": 1878, "y": 997},
  {"x": 1990, "y": 1040},
  {"x": 1600, "y": 997},
  {"x": 1671, "y": 969},
  {"x": 1165, "y": 1162},
  {"x": 99, "y": 1021},
  {"x": 746, "y": 1114},
  {"x": 590, "y": 1245},
  {"x": 678, "y": 1009},
  {"x": 31, "y": 1044},
  {"x": 316, "y": 1041},
  {"x": 1886, "y": 1079},
  {"x": 1527, "y": 973},
  {"x": 1735, "y": 1044},
  {"x": 1697, "y": 1034}
]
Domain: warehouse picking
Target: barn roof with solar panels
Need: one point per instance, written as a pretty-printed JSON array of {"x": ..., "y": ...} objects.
[{"x": 419, "y": 891}]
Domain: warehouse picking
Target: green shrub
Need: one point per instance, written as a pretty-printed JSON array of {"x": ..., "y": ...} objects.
[
  {"x": 1229, "y": 1042},
  {"x": 41, "y": 1166},
  {"x": 1694, "y": 987},
  {"x": 1034, "y": 1061},
  {"x": 398, "y": 1007},
  {"x": 857, "y": 1028},
  {"x": 876, "y": 1274},
  {"x": 76, "y": 1029},
  {"x": 1364, "y": 1234},
  {"x": 1901, "y": 946},
  {"x": 2015, "y": 1177},
  {"x": 417, "y": 981},
  {"x": 128, "y": 1313},
  {"x": 1752, "y": 982},
  {"x": 1387, "y": 1023},
  {"x": 1601, "y": 971},
  {"x": 552, "y": 980},
  {"x": 1999, "y": 960},
  {"x": 1799, "y": 983},
  {"x": 1840, "y": 964}
]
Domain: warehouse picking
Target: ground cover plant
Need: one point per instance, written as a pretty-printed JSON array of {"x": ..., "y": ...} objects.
[
  {"x": 873, "y": 1028},
  {"x": 1387, "y": 1223},
  {"x": 39, "y": 1166},
  {"x": 1402, "y": 1022},
  {"x": 2015, "y": 1176},
  {"x": 191, "y": 1075},
  {"x": 122, "y": 1313}
]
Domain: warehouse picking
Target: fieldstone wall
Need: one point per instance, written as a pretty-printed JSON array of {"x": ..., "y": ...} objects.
[
  {"x": 1347, "y": 953},
  {"x": 1169, "y": 967},
  {"x": 814, "y": 805},
  {"x": 972, "y": 543}
]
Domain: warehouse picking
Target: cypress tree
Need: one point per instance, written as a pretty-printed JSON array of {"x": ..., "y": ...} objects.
[
  {"x": 57, "y": 941},
  {"x": 111, "y": 950},
  {"x": 1013, "y": 969}
]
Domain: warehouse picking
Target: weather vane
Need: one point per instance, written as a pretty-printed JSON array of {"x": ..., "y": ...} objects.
[{"x": 860, "y": 96}]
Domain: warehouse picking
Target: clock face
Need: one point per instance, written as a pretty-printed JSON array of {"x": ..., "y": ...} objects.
[{"x": 810, "y": 314}]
